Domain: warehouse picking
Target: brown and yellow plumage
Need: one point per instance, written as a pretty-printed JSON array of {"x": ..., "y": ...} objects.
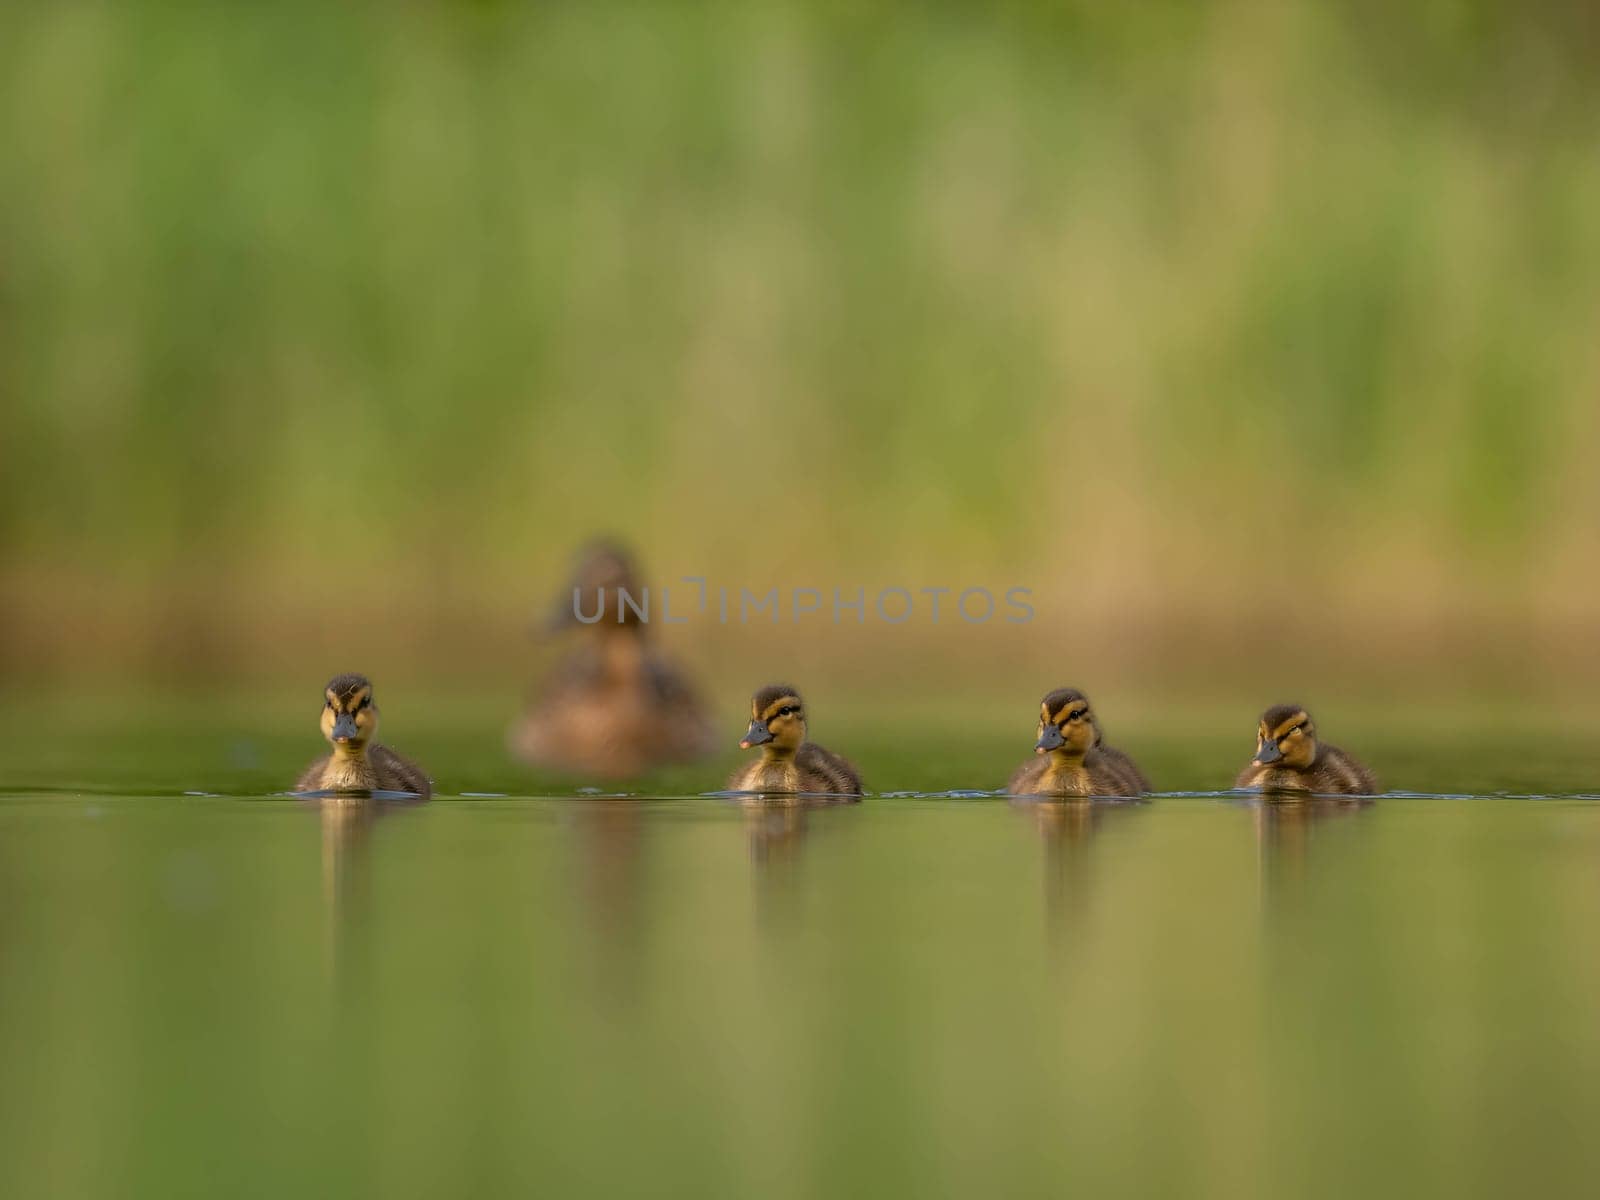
[
  {"x": 789, "y": 763},
  {"x": 612, "y": 707},
  {"x": 357, "y": 764},
  {"x": 1290, "y": 758},
  {"x": 1072, "y": 757}
]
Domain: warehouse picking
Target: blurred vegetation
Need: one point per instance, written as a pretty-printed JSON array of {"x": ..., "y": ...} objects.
[{"x": 331, "y": 328}]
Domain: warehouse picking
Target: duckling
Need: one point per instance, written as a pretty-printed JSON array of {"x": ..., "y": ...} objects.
[
  {"x": 1073, "y": 757},
  {"x": 1290, "y": 759},
  {"x": 789, "y": 763},
  {"x": 357, "y": 764},
  {"x": 612, "y": 707}
]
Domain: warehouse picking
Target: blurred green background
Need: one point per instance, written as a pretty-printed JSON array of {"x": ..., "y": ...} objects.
[{"x": 1257, "y": 338}]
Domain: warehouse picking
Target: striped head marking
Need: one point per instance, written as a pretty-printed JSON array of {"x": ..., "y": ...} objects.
[
  {"x": 349, "y": 716},
  {"x": 777, "y": 720},
  {"x": 1286, "y": 735},
  {"x": 1066, "y": 724}
]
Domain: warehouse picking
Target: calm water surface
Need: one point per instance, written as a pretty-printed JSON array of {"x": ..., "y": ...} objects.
[{"x": 237, "y": 995}]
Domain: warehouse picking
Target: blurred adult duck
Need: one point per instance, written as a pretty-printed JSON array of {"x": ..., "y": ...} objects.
[{"x": 612, "y": 706}]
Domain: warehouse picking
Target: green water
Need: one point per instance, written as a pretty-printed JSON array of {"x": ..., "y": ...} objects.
[{"x": 247, "y": 995}]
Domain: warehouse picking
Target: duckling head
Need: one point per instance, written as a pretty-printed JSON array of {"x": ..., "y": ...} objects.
[
  {"x": 1286, "y": 735},
  {"x": 349, "y": 717},
  {"x": 604, "y": 569},
  {"x": 1066, "y": 724},
  {"x": 777, "y": 720}
]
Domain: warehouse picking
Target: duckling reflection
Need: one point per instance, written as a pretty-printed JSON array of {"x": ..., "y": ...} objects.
[
  {"x": 778, "y": 825},
  {"x": 612, "y": 852},
  {"x": 1285, "y": 826},
  {"x": 1069, "y": 829},
  {"x": 347, "y": 828},
  {"x": 612, "y": 707},
  {"x": 777, "y": 828},
  {"x": 776, "y": 831}
]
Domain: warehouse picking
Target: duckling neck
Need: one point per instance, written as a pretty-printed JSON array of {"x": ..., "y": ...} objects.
[
  {"x": 1066, "y": 764},
  {"x": 777, "y": 771},
  {"x": 1067, "y": 773},
  {"x": 349, "y": 769}
]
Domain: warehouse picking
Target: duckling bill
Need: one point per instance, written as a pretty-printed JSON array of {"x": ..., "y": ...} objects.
[
  {"x": 1072, "y": 758},
  {"x": 789, "y": 763},
  {"x": 1290, "y": 758},
  {"x": 357, "y": 763}
]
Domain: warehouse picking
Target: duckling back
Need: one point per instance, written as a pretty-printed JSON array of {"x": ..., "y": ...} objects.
[
  {"x": 822, "y": 770},
  {"x": 812, "y": 769},
  {"x": 380, "y": 769},
  {"x": 1333, "y": 772},
  {"x": 1103, "y": 771},
  {"x": 397, "y": 773},
  {"x": 1118, "y": 772}
]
